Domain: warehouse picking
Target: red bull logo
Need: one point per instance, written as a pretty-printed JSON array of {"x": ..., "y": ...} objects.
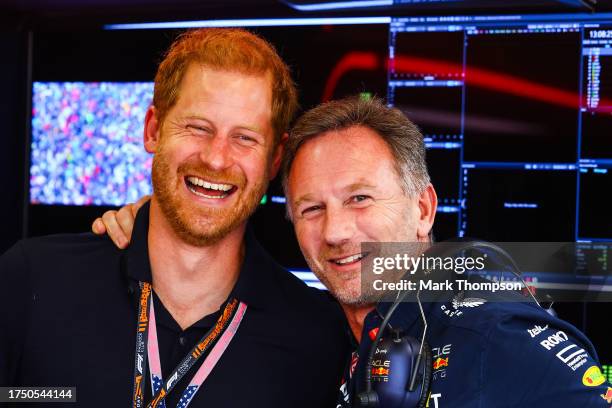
[
  {"x": 440, "y": 362},
  {"x": 608, "y": 395},
  {"x": 380, "y": 371}
]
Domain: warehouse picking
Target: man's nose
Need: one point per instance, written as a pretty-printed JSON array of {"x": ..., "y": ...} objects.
[
  {"x": 217, "y": 153},
  {"x": 339, "y": 226}
]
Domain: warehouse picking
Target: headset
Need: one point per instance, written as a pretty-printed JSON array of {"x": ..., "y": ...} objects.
[{"x": 407, "y": 386}]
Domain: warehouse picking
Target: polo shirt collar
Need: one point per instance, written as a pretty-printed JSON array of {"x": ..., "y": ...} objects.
[{"x": 254, "y": 281}]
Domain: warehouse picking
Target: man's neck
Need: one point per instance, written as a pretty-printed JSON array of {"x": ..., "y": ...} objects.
[
  {"x": 356, "y": 316},
  {"x": 191, "y": 281}
]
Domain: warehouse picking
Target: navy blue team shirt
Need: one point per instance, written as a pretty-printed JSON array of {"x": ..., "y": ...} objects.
[{"x": 491, "y": 354}]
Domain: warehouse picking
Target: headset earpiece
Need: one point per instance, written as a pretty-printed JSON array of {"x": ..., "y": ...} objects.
[
  {"x": 427, "y": 374},
  {"x": 393, "y": 366}
]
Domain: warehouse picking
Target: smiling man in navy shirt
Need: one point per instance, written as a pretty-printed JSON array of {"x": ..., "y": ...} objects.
[
  {"x": 355, "y": 172},
  {"x": 194, "y": 312}
]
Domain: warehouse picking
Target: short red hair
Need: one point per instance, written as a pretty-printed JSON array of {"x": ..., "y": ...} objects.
[{"x": 226, "y": 49}]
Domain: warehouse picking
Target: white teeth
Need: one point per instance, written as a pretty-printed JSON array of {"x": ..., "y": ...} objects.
[
  {"x": 349, "y": 259},
  {"x": 205, "y": 195},
  {"x": 212, "y": 186}
]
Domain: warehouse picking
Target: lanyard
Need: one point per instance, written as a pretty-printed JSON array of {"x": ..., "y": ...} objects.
[{"x": 147, "y": 349}]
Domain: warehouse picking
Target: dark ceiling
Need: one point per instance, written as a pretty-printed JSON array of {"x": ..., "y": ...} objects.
[{"x": 32, "y": 14}]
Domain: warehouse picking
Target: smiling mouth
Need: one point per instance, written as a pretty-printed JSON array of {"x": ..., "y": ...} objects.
[
  {"x": 207, "y": 189},
  {"x": 349, "y": 260}
]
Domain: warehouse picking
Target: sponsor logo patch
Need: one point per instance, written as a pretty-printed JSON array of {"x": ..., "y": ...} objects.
[
  {"x": 535, "y": 330},
  {"x": 441, "y": 351},
  {"x": 608, "y": 395},
  {"x": 458, "y": 303},
  {"x": 593, "y": 377},
  {"x": 449, "y": 312},
  {"x": 573, "y": 356},
  {"x": 380, "y": 371},
  {"x": 467, "y": 302},
  {"x": 554, "y": 339},
  {"x": 440, "y": 362}
]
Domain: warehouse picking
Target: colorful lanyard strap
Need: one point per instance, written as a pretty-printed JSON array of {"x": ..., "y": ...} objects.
[{"x": 147, "y": 350}]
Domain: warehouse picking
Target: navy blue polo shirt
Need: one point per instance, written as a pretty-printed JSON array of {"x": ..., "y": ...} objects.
[
  {"x": 489, "y": 353},
  {"x": 68, "y": 310}
]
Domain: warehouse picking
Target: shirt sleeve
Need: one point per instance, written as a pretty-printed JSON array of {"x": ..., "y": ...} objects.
[
  {"x": 542, "y": 363},
  {"x": 14, "y": 296}
]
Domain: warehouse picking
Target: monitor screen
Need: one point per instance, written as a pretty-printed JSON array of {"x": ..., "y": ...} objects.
[
  {"x": 525, "y": 102},
  {"x": 87, "y": 143}
]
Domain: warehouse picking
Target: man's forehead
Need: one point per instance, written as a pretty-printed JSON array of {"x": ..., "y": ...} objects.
[
  {"x": 215, "y": 84},
  {"x": 205, "y": 92},
  {"x": 352, "y": 149},
  {"x": 341, "y": 161},
  {"x": 355, "y": 140}
]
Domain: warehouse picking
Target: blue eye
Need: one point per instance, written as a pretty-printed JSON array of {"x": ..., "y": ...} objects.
[{"x": 359, "y": 198}]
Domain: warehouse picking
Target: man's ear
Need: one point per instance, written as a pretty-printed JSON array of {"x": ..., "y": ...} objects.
[
  {"x": 277, "y": 156},
  {"x": 152, "y": 130},
  {"x": 428, "y": 204}
]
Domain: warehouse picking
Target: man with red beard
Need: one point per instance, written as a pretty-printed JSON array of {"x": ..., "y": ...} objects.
[{"x": 194, "y": 311}]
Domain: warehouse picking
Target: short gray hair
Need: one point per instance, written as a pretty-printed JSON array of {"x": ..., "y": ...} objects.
[{"x": 401, "y": 135}]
